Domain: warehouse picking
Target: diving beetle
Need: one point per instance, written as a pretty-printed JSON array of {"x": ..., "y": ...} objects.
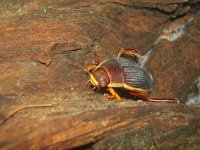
[{"x": 125, "y": 73}]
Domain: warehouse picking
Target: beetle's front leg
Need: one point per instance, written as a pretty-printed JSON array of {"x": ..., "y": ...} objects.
[
  {"x": 90, "y": 68},
  {"x": 113, "y": 94}
]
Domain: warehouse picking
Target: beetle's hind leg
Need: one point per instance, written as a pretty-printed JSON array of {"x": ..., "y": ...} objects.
[
  {"x": 113, "y": 93},
  {"x": 133, "y": 53},
  {"x": 139, "y": 95}
]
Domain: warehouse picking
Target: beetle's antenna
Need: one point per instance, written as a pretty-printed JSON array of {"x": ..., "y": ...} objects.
[{"x": 96, "y": 60}]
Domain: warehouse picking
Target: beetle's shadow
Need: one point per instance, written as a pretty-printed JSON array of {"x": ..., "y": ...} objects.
[
  {"x": 125, "y": 94},
  {"x": 122, "y": 93}
]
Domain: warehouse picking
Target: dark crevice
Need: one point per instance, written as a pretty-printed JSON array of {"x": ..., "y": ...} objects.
[
  {"x": 186, "y": 4},
  {"x": 173, "y": 14},
  {"x": 145, "y": 8},
  {"x": 194, "y": 6},
  {"x": 84, "y": 147},
  {"x": 178, "y": 16}
]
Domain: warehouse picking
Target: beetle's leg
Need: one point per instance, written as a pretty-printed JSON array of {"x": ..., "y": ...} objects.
[
  {"x": 113, "y": 94},
  {"x": 143, "y": 97},
  {"x": 156, "y": 99},
  {"x": 130, "y": 52},
  {"x": 90, "y": 68}
]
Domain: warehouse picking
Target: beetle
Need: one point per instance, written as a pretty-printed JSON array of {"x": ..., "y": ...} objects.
[{"x": 123, "y": 72}]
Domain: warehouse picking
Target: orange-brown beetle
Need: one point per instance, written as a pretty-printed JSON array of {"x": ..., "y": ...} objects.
[{"x": 121, "y": 72}]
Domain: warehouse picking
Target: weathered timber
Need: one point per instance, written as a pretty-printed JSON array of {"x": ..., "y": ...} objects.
[
  {"x": 152, "y": 126},
  {"x": 35, "y": 38}
]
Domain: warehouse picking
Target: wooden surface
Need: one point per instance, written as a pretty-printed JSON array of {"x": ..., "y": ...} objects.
[
  {"x": 45, "y": 99},
  {"x": 146, "y": 125}
]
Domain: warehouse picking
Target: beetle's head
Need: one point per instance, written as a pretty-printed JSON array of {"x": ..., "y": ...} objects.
[{"x": 99, "y": 78}]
